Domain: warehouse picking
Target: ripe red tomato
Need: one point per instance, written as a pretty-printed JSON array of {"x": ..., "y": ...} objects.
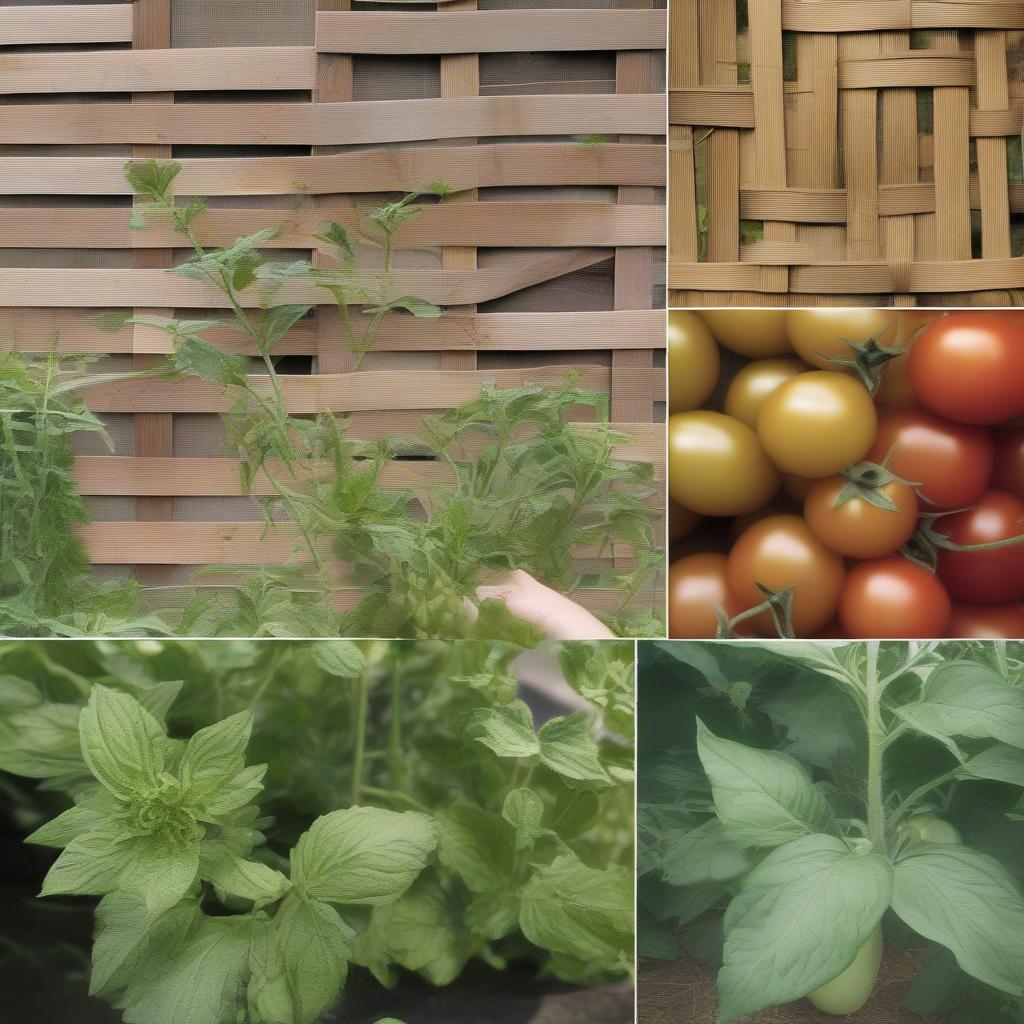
[
  {"x": 987, "y": 621},
  {"x": 781, "y": 551},
  {"x": 951, "y": 462},
  {"x": 969, "y": 367},
  {"x": 696, "y": 585},
  {"x": 856, "y": 527},
  {"x": 891, "y": 598},
  {"x": 985, "y": 577},
  {"x": 1008, "y": 474}
]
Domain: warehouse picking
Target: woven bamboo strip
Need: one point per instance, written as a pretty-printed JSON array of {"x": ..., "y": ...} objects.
[
  {"x": 484, "y": 224},
  {"x": 886, "y": 15},
  {"x": 325, "y": 124},
  {"x": 375, "y": 170},
  {"x": 87, "y": 23},
  {"x": 220, "y": 68},
  {"x": 106, "y": 288},
  {"x": 34, "y": 330},
  {"x": 358, "y": 392},
  {"x": 489, "y": 31}
]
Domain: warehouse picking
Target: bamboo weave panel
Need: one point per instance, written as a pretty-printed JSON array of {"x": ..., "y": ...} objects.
[
  {"x": 846, "y": 153},
  {"x": 292, "y": 136}
]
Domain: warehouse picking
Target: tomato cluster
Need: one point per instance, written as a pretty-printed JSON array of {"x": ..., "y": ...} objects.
[{"x": 836, "y": 472}]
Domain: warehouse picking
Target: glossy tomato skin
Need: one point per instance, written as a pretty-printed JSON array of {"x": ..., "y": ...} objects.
[
  {"x": 693, "y": 361},
  {"x": 969, "y": 367},
  {"x": 681, "y": 521},
  {"x": 984, "y": 577},
  {"x": 857, "y": 528},
  {"x": 754, "y": 383},
  {"x": 1008, "y": 474},
  {"x": 950, "y": 462},
  {"x": 696, "y": 586},
  {"x": 987, "y": 621},
  {"x": 817, "y": 423},
  {"x": 754, "y": 333},
  {"x": 851, "y": 990},
  {"x": 781, "y": 551},
  {"x": 823, "y": 333},
  {"x": 717, "y": 466},
  {"x": 892, "y": 598}
]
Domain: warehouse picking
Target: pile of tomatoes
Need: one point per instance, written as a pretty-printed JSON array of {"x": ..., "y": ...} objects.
[{"x": 846, "y": 472}]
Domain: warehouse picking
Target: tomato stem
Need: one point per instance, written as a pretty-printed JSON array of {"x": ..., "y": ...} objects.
[{"x": 876, "y": 750}]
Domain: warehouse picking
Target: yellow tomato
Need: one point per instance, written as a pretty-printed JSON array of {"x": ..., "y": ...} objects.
[
  {"x": 717, "y": 466},
  {"x": 754, "y": 383},
  {"x": 754, "y": 333},
  {"x": 819, "y": 335},
  {"x": 693, "y": 361}
]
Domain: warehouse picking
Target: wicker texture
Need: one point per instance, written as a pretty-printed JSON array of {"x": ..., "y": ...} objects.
[
  {"x": 282, "y": 114},
  {"x": 846, "y": 153}
]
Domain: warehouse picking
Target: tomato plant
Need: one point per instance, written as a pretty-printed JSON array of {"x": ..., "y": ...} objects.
[
  {"x": 717, "y": 466},
  {"x": 893, "y": 597},
  {"x": 969, "y": 367},
  {"x": 802, "y": 805},
  {"x": 817, "y": 423}
]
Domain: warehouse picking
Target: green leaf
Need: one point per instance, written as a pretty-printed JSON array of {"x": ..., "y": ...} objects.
[
  {"x": 151, "y": 178},
  {"x": 242, "y": 789},
  {"x": 18, "y": 694},
  {"x": 567, "y": 748},
  {"x": 1000, "y": 763},
  {"x": 570, "y": 908},
  {"x": 74, "y": 822},
  {"x": 247, "y": 879},
  {"x": 762, "y": 797},
  {"x": 701, "y": 854},
  {"x": 798, "y": 921},
  {"x": 120, "y": 742},
  {"x": 418, "y": 307},
  {"x": 277, "y": 322},
  {"x": 201, "y": 983},
  {"x": 966, "y": 901},
  {"x": 964, "y": 698},
  {"x": 207, "y": 361},
  {"x": 213, "y": 757},
  {"x": 334, "y": 234},
  {"x": 341, "y": 658},
  {"x": 477, "y": 845},
  {"x": 362, "y": 855},
  {"x": 107, "y": 860},
  {"x": 507, "y": 730},
  {"x": 523, "y": 810}
]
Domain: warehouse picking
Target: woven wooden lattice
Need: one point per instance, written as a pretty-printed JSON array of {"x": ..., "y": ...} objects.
[
  {"x": 546, "y": 261},
  {"x": 846, "y": 152}
]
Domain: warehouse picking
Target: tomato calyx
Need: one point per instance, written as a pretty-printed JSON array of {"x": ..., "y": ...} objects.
[
  {"x": 866, "y": 359},
  {"x": 866, "y": 480},
  {"x": 777, "y": 603},
  {"x": 924, "y": 547}
]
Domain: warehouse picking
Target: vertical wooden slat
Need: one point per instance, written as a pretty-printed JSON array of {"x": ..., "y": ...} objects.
[
  {"x": 154, "y": 432},
  {"x": 860, "y": 155},
  {"x": 460, "y": 76},
  {"x": 683, "y": 72}
]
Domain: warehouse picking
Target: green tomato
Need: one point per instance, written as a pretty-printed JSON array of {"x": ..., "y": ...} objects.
[
  {"x": 852, "y": 989},
  {"x": 926, "y": 828}
]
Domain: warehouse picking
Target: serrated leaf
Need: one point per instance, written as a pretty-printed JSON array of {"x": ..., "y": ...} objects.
[
  {"x": 213, "y": 757},
  {"x": 477, "y": 845},
  {"x": 966, "y": 901},
  {"x": 207, "y": 361},
  {"x": 764, "y": 798},
  {"x": 246, "y": 879},
  {"x": 566, "y": 747},
  {"x": 798, "y": 921},
  {"x": 523, "y": 810},
  {"x": 341, "y": 658},
  {"x": 278, "y": 321},
  {"x": 362, "y": 855},
  {"x": 506, "y": 729}
]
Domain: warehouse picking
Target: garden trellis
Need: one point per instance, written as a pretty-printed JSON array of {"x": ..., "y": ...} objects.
[
  {"x": 290, "y": 115},
  {"x": 846, "y": 153}
]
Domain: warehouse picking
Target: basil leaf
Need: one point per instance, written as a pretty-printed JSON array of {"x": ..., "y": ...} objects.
[
  {"x": 507, "y": 730},
  {"x": 523, "y": 810},
  {"x": 566, "y": 747}
]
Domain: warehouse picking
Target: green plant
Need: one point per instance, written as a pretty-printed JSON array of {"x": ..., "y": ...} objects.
[
  {"x": 411, "y": 816},
  {"x": 816, "y": 844}
]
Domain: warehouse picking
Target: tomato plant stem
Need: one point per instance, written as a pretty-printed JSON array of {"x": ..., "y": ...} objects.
[{"x": 876, "y": 750}]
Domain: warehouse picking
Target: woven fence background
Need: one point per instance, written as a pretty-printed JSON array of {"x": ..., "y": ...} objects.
[
  {"x": 846, "y": 152},
  {"x": 293, "y": 113}
]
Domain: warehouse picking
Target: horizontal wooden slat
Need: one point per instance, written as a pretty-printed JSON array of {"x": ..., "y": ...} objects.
[
  {"x": 489, "y": 31},
  {"x": 221, "y": 68},
  {"x": 39, "y": 330},
  {"x": 375, "y": 170},
  {"x": 329, "y": 124},
  {"x": 222, "y": 543},
  {"x": 157, "y": 288},
  {"x": 87, "y": 23},
  {"x": 481, "y": 224},
  {"x": 358, "y": 392},
  {"x": 889, "y": 15},
  {"x": 906, "y": 70}
]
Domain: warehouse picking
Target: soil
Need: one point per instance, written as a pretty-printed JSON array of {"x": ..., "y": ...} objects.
[{"x": 683, "y": 992}]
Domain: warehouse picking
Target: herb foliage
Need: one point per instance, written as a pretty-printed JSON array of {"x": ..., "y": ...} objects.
[
  {"x": 782, "y": 783},
  {"x": 410, "y": 816}
]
